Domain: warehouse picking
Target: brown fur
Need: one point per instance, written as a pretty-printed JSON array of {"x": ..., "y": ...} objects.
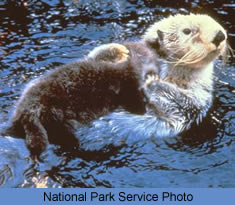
[{"x": 53, "y": 106}]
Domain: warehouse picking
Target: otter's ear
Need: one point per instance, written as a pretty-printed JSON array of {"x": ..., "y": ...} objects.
[{"x": 160, "y": 35}]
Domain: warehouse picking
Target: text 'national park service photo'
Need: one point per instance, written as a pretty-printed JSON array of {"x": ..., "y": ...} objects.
[{"x": 117, "y": 94}]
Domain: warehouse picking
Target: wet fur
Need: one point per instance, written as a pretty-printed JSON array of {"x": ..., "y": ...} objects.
[
  {"x": 55, "y": 105},
  {"x": 174, "y": 97}
]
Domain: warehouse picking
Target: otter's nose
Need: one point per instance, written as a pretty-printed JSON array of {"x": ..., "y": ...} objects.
[{"x": 218, "y": 38}]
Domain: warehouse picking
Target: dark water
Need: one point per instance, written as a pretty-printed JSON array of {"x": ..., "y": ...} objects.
[{"x": 38, "y": 35}]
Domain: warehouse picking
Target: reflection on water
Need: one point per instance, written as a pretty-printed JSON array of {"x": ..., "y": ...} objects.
[{"x": 44, "y": 34}]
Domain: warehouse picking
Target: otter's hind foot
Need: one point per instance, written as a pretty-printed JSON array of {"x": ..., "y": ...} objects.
[
  {"x": 36, "y": 138},
  {"x": 112, "y": 52}
]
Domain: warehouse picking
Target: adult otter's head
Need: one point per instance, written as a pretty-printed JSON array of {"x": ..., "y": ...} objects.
[{"x": 191, "y": 40}]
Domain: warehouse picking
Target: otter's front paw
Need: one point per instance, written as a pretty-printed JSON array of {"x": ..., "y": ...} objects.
[{"x": 149, "y": 79}]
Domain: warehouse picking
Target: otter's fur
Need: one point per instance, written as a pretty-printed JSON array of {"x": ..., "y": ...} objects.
[{"x": 164, "y": 83}]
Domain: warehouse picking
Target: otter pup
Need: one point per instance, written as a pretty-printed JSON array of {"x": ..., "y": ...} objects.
[
  {"x": 164, "y": 83},
  {"x": 53, "y": 106}
]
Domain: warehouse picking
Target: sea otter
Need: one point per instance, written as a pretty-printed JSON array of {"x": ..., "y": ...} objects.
[
  {"x": 163, "y": 83},
  {"x": 176, "y": 55}
]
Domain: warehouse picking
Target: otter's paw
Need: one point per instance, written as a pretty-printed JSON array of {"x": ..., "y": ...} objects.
[
  {"x": 36, "y": 138},
  {"x": 113, "y": 52},
  {"x": 36, "y": 145},
  {"x": 149, "y": 79}
]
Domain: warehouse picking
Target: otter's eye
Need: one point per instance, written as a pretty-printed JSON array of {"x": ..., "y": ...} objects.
[{"x": 187, "y": 31}]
